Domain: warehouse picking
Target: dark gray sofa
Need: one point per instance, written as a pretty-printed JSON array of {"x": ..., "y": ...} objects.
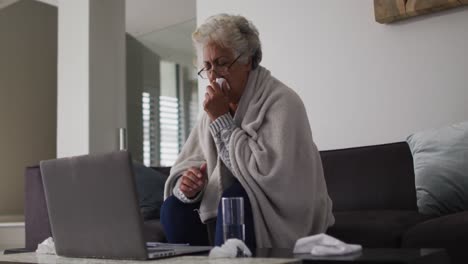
[
  {"x": 372, "y": 189},
  {"x": 373, "y": 193}
]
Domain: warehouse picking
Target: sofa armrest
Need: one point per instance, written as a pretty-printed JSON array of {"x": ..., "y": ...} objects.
[
  {"x": 370, "y": 177},
  {"x": 448, "y": 231},
  {"x": 37, "y": 226}
]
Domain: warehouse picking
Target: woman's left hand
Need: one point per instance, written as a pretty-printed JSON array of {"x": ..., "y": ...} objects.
[{"x": 216, "y": 103}]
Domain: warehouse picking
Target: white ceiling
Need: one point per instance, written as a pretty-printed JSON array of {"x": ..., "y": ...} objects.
[
  {"x": 173, "y": 43},
  {"x": 5, "y": 3},
  {"x": 165, "y": 26},
  {"x": 145, "y": 16}
]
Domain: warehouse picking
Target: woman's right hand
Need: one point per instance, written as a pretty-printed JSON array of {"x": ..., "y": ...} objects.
[{"x": 193, "y": 181}]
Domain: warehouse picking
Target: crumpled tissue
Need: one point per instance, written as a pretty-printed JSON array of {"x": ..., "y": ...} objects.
[
  {"x": 232, "y": 248},
  {"x": 324, "y": 245},
  {"x": 220, "y": 82},
  {"x": 46, "y": 247}
]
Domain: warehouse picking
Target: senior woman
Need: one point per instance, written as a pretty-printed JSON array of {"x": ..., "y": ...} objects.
[{"x": 253, "y": 141}]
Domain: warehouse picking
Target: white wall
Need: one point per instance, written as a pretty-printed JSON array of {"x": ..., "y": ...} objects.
[
  {"x": 73, "y": 78},
  {"x": 91, "y": 76},
  {"x": 362, "y": 82}
]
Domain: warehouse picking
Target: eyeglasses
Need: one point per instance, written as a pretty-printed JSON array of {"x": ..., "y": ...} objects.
[{"x": 221, "y": 70}]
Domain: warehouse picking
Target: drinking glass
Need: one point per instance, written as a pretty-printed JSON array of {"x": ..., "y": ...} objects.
[{"x": 233, "y": 218}]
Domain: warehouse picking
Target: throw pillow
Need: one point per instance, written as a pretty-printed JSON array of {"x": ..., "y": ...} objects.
[
  {"x": 150, "y": 189},
  {"x": 441, "y": 169}
]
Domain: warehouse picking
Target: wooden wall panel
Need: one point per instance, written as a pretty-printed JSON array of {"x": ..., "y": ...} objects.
[{"x": 388, "y": 11}]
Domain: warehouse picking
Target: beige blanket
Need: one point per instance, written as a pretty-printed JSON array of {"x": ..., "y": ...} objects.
[{"x": 273, "y": 157}]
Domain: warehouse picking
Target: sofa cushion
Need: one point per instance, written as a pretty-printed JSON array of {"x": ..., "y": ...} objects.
[
  {"x": 446, "y": 231},
  {"x": 441, "y": 168},
  {"x": 150, "y": 188},
  {"x": 379, "y": 228},
  {"x": 36, "y": 217},
  {"x": 153, "y": 231}
]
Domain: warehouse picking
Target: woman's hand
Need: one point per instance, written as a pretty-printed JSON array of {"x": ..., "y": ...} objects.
[
  {"x": 216, "y": 102},
  {"x": 193, "y": 181}
]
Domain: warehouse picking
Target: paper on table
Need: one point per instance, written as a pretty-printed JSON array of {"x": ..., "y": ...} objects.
[
  {"x": 46, "y": 247},
  {"x": 324, "y": 245},
  {"x": 232, "y": 248}
]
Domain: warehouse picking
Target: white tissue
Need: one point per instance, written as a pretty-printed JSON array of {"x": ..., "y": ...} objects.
[
  {"x": 46, "y": 247},
  {"x": 231, "y": 249},
  {"x": 324, "y": 245},
  {"x": 220, "y": 82}
]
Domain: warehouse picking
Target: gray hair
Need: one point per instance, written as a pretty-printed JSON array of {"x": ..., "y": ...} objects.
[{"x": 230, "y": 31}]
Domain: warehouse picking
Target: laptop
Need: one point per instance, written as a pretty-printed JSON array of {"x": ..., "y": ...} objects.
[{"x": 93, "y": 209}]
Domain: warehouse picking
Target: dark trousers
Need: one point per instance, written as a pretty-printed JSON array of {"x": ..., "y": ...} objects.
[{"x": 181, "y": 222}]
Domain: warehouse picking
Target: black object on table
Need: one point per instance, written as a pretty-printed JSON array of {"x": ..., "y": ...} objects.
[{"x": 17, "y": 250}]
